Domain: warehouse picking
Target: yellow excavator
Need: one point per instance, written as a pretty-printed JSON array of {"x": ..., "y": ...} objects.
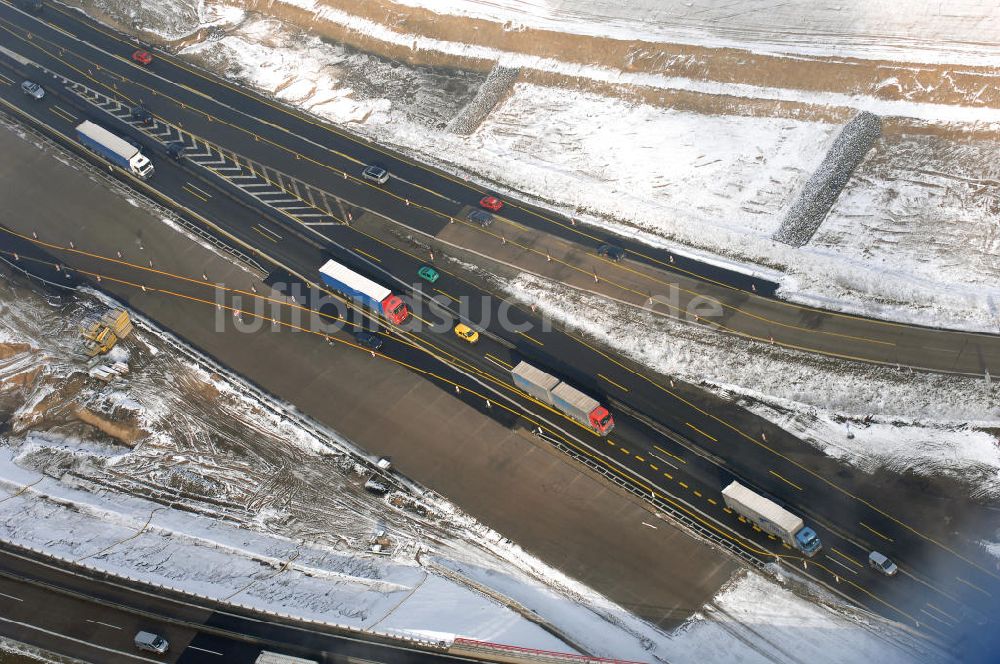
[{"x": 101, "y": 335}]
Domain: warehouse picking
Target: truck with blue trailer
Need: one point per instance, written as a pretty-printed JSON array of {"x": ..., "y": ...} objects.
[
  {"x": 115, "y": 149},
  {"x": 771, "y": 518},
  {"x": 564, "y": 397},
  {"x": 362, "y": 289}
]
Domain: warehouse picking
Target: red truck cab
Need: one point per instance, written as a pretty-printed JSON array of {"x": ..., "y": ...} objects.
[
  {"x": 395, "y": 309},
  {"x": 601, "y": 420}
]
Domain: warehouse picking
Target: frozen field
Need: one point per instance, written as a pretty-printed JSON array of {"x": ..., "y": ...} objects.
[{"x": 921, "y": 30}]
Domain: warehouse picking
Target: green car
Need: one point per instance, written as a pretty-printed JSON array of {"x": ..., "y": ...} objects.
[{"x": 428, "y": 274}]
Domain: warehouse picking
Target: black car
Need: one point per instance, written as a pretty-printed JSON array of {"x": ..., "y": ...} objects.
[
  {"x": 139, "y": 114},
  {"x": 611, "y": 251},
  {"x": 175, "y": 149},
  {"x": 481, "y": 217},
  {"x": 368, "y": 339}
]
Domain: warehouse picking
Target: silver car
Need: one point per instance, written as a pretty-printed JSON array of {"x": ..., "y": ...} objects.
[
  {"x": 881, "y": 564},
  {"x": 375, "y": 174},
  {"x": 33, "y": 90},
  {"x": 151, "y": 642}
]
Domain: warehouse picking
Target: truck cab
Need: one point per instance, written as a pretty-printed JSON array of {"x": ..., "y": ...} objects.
[
  {"x": 808, "y": 541},
  {"x": 395, "y": 309},
  {"x": 601, "y": 420}
]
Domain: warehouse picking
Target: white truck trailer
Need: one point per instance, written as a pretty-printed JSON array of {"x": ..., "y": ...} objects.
[
  {"x": 571, "y": 401},
  {"x": 268, "y": 657},
  {"x": 115, "y": 149},
  {"x": 771, "y": 518}
]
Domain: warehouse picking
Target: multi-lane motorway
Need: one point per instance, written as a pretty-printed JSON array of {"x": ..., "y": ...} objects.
[
  {"x": 678, "y": 443},
  {"x": 95, "y": 619}
]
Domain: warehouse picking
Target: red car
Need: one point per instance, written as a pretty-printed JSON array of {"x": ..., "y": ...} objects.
[
  {"x": 491, "y": 203},
  {"x": 142, "y": 57}
]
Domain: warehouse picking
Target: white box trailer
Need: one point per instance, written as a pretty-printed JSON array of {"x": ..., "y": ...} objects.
[
  {"x": 571, "y": 401},
  {"x": 771, "y": 517},
  {"x": 268, "y": 657},
  {"x": 114, "y": 148}
]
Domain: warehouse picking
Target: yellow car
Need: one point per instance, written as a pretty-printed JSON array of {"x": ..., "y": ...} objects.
[{"x": 466, "y": 333}]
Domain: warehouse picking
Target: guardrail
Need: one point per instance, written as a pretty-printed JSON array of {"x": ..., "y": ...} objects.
[{"x": 672, "y": 512}]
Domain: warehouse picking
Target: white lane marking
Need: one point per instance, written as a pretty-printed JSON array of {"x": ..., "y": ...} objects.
[
  {"x": 649, "y": 525},
  {"x": 121, "y": 653},
  {"x": 657, "y": 456},
  {"x": 98, "y": 622},
  {"x": 268, "y": 231},
  {"x": 212, "y": 652},
  {"x": 16, "y": 599},
  {"x": 834, "y": 560}
]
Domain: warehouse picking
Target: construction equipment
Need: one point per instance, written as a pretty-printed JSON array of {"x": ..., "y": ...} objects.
[{"x": 101, "y": 335}]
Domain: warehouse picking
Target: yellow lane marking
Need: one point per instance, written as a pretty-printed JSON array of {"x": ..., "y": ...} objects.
[
  {"x": 448, "y": 295},
  {"x": 788, "y": 482},
  {"x": 847, "y": 557},
  {"x": 367, "y": 255},
  {"x": 669, "y": 454},
  {"x": 639, "y": 458},
  {"x": 683, "y": 484},
  {"x": 712, "y": 500},
  {"x": 198, "y": 189},
  {"x": 193, "y": 193},
  {"x": 5, "y": 80},
  {"x": 58, "y": 112},
  {"x": 668, "y": 476},
  {"x": 711, "y": 438},
  {"x": 610, "y": 442},
  {"x": 509, "y": 366},
  {"x": 973, "y": 586},
  {"x": 727, "y": 510},
  {"x": 837, "y": 562},
  {"x": 425, "y": 322},
  {"x": 620, "y": 387},
  {"x": 63, "y": 110},
  {"x": 261, "y": 232},
  {"x": 869, "y": 528},
  {"x": 653, "y": 467},
  {"x": 530, "y": 338},
  {"x": 698, "y": 493},
  {"x": 624, "y": 450}
]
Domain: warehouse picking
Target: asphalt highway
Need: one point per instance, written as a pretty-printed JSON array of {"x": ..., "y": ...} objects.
[
  {"x": 680, "y": 442},
  {"x": 75, "y": 613},
  {"x": 426, "y": 198}
]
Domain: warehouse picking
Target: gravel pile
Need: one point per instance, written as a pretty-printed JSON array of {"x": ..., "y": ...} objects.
[
  {"x": 496, "y": 86},
  {"x": 821, "y": 190}
]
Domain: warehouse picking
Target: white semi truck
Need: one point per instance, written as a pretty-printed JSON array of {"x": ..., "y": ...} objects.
[
  {"x": 545, "y": 387},
  {"x": 772, "y": 518},
  {"x": 115, "y": 149}
]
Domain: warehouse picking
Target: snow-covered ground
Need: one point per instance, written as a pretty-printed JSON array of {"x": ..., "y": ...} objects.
[
  {"x": 929, "y": 424},
  {"x": 917, "y": 30},
  {"x": 290, "y": 493}
]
